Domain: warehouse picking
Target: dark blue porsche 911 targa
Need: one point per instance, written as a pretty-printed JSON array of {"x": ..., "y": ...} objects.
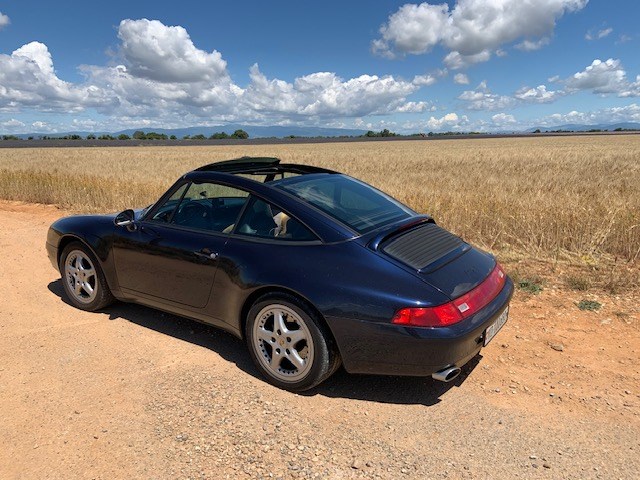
[{"x": 313, "y": 268}]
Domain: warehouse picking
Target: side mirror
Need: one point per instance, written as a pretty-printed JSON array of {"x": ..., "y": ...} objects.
[{"x": 126, "y": 219}]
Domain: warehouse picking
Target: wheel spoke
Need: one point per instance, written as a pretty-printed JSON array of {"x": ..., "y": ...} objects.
[
  {"x": 296, "y": 336},
  {"x": 278, "y": 322},
  {"x": 264, "y": 335},
  {"x": 276, "y": 358},
  {"x": 89, "y": 272},
  {"x": 79, "y": 263},
  {"x": 296, "y": 359},
  {"x": 77, "y": 287},
  {"x": 87, "y": 288}
]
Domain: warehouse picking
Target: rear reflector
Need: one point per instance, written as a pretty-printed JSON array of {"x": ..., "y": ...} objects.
[{"x": 456, "y": 310}]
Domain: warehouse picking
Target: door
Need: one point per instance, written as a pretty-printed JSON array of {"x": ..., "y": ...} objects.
[{"x": 173, "y": 254}]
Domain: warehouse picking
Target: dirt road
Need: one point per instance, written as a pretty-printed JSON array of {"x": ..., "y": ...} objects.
[{"x": 134, "y": 393}]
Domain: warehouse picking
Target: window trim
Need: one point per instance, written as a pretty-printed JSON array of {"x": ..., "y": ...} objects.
[
  {"x": 357, "y": 233},
  {"x": 147, "y": 218}
]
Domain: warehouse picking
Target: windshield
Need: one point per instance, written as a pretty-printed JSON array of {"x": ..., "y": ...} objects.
[{"x": 354, "y": 203}]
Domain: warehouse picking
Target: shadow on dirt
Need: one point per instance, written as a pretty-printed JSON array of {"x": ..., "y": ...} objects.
[{"x": 374, "y": 388}]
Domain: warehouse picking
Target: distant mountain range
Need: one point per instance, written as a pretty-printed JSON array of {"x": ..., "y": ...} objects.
[
  {"x": 574, "y": 127},
  {"x": 253, "y": 131},
  {"x": 278, "y": 131}
]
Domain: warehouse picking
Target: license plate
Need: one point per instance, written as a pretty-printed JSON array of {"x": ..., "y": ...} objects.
[{"x": 495, "y": 326}]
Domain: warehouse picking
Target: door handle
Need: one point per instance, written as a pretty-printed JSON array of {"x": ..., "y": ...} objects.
[{"x": 206, "y": 253}]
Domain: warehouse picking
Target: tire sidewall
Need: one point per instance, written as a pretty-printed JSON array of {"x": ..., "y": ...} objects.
[{"x": 321, "y": 359}]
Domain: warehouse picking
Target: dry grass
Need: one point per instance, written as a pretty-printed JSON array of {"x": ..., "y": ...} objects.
[{"x": 552, "y": 197}]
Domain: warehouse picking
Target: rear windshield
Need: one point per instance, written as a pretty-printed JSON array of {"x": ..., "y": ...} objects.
[{"x": 354, "y": 203}]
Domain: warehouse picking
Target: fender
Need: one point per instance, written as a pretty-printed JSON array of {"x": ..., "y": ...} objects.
[{"x": 96, "y": 232}]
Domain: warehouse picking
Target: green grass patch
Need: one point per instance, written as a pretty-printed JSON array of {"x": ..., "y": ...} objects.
[
  {"x": 590, "y": 305},
  {"x": 528, "y": 284}
]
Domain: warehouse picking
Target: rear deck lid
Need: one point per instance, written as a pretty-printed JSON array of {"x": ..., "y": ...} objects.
[{"x": 440, "y": 258}]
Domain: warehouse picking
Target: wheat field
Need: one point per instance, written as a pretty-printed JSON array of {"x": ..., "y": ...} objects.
[{"x": 575, "y": 196}]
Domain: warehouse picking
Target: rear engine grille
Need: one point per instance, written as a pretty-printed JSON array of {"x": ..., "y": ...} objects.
[{"x": 422, "y": 246}]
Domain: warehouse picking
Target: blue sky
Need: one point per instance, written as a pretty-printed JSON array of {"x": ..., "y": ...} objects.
[{"x": 492, "y": 65}]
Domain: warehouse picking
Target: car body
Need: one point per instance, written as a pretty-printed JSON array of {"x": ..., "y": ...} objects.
[{"x": 283, "y": 253}]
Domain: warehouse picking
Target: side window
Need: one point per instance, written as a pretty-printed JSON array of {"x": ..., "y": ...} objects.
[
  {"x": 209, "y": 206},
  {"x": 261, "y": 219},
  {"x": 165, "y": 212}
]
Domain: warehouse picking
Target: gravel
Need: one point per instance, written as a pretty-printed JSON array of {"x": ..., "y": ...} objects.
[{"x": 213, "y": 426}]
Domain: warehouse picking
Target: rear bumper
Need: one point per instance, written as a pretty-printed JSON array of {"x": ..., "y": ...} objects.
[{"x": 387, "y": 349}]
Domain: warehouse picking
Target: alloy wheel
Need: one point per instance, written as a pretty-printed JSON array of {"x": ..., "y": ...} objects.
[
  {"x": 283, "y": 343},
  {"x": 80, "y": 275}
]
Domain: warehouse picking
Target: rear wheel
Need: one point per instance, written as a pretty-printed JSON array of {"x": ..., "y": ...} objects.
[
  {"x": 289, "y": 344},
  {"x": 82, "y": 278}
]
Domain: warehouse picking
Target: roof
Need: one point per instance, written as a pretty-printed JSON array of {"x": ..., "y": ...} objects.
[{"x": 260, "y": 165}]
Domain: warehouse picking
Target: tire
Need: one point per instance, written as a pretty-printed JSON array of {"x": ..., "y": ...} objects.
[
  {"x": 82, "y": 278},
  {"x": 305, "y": 354}
]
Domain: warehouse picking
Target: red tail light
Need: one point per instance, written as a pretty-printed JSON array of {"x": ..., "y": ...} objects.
[{"x": 456, "y": 310}]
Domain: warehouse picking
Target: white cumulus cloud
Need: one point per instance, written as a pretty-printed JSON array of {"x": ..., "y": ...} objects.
[
  {"x": 627, "y": 113},
  {"x": 40, "y": 125},
  {"x": 413, "y": 29},
  {"x": 448, "y": 122},
  {"x": 472, "y": 29},
  {"x": 414, "y": 107},
  {"x": 461, "y": 79},
  {"x": 165, "y": 79},
  {"x": 504, "y": 119},
  {"x": 600, "y": 77},
  {"x": 456, "y": 61},
  {"x": 4, "y": 20},
  {"x": 325, "y": 94},
  {"x": 27, "y": 78},
  {"x": 164, "y": 74},
  {"x": 531, "y": 45},
  {"x": 538, "y": 94},
  {"x": 163, "y": 53},
  {"x": 12, "y": 123},
  {"x": 424, "y": 80},
  {"x": 483, "y": 99},
  {"x": 632, "y": 89}
]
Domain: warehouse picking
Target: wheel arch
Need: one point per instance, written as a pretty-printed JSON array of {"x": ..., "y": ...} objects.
[
  {"x": 70, "y": 238},
  {"x": 260, "y": 292}
]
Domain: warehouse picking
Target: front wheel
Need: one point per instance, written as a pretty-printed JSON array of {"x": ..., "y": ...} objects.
[
  {"x": 82, "y": 278},
  {"x": 288, "y": 343}
]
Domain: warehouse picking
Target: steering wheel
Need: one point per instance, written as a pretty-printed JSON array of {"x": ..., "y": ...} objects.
[{"x": 191, "y": 212}]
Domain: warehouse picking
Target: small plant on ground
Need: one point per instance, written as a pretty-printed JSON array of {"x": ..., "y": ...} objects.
[
  {"x": 578, "y": 283},
  {"x": 590, "y": 305},
  {"x": 528, "y": 284}
]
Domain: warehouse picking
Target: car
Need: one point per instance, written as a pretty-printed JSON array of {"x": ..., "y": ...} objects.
[{"x": 314, "y": 269}]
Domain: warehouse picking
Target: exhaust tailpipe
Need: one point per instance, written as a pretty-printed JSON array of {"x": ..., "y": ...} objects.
[{"x": 446, "y": 375}]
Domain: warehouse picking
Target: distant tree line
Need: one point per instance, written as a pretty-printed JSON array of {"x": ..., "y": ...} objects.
[
  {"x": 241, "y": 134},
  {"x": 593, "y": 130},
  {"x": 140, "y": 135},
  {"x": 382, "y": 133},
  {"x": 137, "y": 135},
  {"x": 238, "y": 134}
]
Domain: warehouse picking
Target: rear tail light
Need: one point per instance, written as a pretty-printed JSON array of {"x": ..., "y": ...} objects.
[{"x": 456, "y": 310}]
